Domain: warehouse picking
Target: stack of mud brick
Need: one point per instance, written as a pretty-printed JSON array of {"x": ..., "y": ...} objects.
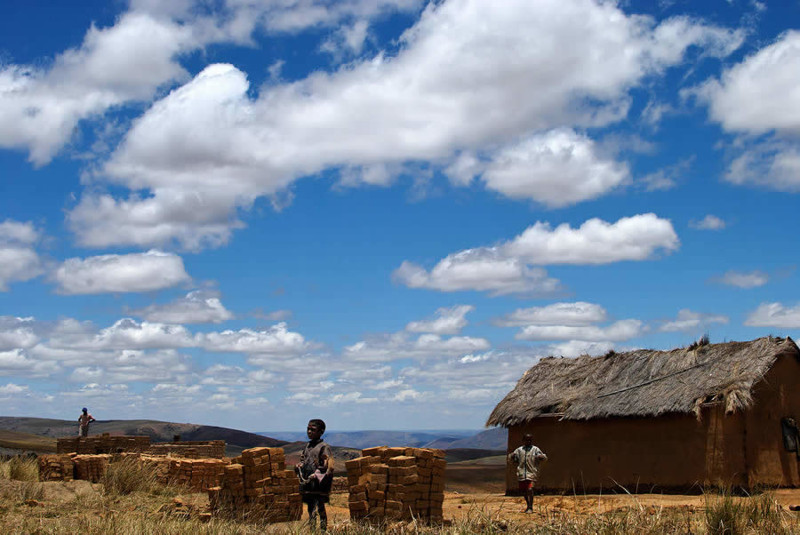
[
  {"x": 257, "y": 483},
  {"x": 104, "y": 443},
  {"x": 197, "y": 474},
  {"x": 91, "y": 467},
  {"x": 214, "y": 449},
  {"x": 397, "y": 484},
  {"x": 57, "y": 467}
]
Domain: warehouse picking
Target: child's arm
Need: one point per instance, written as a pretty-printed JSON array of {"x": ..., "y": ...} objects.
[{"x": 326, "y": 459}]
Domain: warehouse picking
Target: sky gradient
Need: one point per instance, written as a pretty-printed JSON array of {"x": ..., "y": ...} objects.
[{"x": 250, "y": 213}]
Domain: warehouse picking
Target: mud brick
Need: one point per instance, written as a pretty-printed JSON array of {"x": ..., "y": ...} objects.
[
  {"x": 424, "y": 453},
  {"x": 377, "y": 495},
  {"x": 379, "y": 468},
  {"x": 373, "y": 452},
  {"x": 379, "y": 479},
  {"x": 234, "y": 470},
  {"x": 357, "y": 497},
  {"x": 256, "y": 452},
  {"x": 354, "y": 489},
  {"x": 402, "y": 471},
  {"x": 401, "y": 460},
  {"x": 353, "y": 465},
  {"x": 352, "y": 479},
  {"x": 388, "y": 453},
  {"x": 425, "y": 473},
  {"x": 408, "y": 480}
]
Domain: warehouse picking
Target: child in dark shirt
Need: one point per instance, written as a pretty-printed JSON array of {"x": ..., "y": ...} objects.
[{"x": 315, "y": 470}]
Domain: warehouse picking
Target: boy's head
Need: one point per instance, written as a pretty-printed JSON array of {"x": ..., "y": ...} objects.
[
  {"x": 527, "y": 439},
  {"x": 85, "y": 410},
  {"x": 315, "y": 429}
]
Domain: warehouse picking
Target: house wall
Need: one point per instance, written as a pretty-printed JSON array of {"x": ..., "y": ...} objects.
[
  {"x": 674, "y": 452},
  {"x": 776, "y": 396}
]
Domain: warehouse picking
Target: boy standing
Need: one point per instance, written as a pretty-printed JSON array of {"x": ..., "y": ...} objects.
[
  {"x": 83, "y": 422},
  {"x": 527, "y": 458},
  {"x": 315, "y": 470}
]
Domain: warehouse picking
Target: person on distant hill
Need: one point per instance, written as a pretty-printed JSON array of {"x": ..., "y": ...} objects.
[
  {"x": 83, "y": 422},
  {"x": 527, "y": 458},
  {"x": 315, "y": 471}
]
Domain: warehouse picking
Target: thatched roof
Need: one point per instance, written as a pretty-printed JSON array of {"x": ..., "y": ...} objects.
[{"x": 641, "y": 383}]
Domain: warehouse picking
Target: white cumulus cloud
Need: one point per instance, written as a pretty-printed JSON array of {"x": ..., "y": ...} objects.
[
  {"x": 278, "y": 340},
  {"x": 689, "y": 320},
  {"x": 449, "y": 321},
  {"x": 616, "y": 332},
  {"x": 512, "y": 267},
  {"x": 136, "y": 272},
  {"x": 19, "y": 261},
  {"x": 197, "y": 307},
  {"x": 740, "y": 279},
  {"x": 758, "y": 96},
  {"x": 709, "y": 222},
  {"x": 558, "y": 168},
  {"x": 774, "y": 315},
  {"x": 571, "y": 314},
  {"x": 427, "y": 102}
]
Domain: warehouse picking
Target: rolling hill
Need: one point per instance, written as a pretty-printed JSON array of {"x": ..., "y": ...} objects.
[
  {"x": 156, "y": 430},
  {"x": 14, "y": 440},
  {"x": 366, "y": 439}
]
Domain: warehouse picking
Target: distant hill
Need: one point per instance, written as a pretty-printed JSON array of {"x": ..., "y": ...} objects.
[
  {"x": 14, "y": 440},
  {"x": 368, "y": 439},
  {"x": 459, "y": 455},
  {"x": 491, "y": 439},
  {"x": 156, "y": 430}
]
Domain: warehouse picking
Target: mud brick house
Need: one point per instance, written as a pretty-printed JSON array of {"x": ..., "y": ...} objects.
[{"x": 710, "y": 414}]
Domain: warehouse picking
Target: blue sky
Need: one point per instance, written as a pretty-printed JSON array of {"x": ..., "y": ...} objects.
[{"x": 382, "y": 212}]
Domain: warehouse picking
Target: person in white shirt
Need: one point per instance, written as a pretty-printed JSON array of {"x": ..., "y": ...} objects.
[{"x": 527, "y": 458}]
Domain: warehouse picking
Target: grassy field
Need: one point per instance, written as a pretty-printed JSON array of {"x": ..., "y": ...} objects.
[{"x": 127, "y": 503}]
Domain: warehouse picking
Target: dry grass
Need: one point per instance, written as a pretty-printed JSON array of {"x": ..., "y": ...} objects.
[
  {"x": 128, "y": 476},
  {"x": 129, "y": 502},
  {"x": 22, "y": 469},
  {"x": 139, "y": 513}
]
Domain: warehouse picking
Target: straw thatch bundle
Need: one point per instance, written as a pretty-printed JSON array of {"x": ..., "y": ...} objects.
[{"x": 642, "y": 383}]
